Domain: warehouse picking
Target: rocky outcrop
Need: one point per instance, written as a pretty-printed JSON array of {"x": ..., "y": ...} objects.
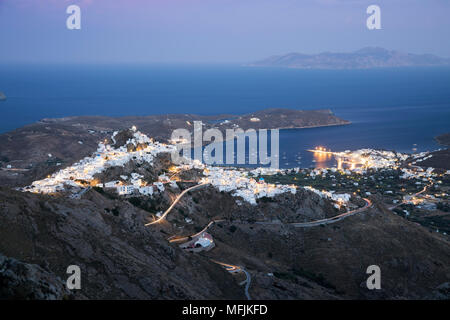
[
  {"x": 442, "y": 292},
  {"x": 20, "y": 280}
]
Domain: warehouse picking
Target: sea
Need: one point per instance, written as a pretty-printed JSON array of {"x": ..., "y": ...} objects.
[{"x": 399, "y": 109}]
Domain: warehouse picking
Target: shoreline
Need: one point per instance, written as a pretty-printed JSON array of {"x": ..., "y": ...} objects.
[
  {"x": 316, "y": 126},
  {"x": 286, "y": 128}
]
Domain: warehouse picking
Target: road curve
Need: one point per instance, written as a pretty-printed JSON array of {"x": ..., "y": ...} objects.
[
  {"x": 324, "y": 221},
  {"x": 236, "y": 269},
  {"x": 163, "y": 217},
  {"x": 414, "y": 195},
  {"x": 333, "y": 219}
]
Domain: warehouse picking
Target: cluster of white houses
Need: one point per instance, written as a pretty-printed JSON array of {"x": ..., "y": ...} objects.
[
  {"x": 362, "y": 159},
  {"x": 241, "y": 185},
  {"x": 418, "y": 173},
  {"x": 82, "y": 173},
  {"x": 340, "y": 200}
]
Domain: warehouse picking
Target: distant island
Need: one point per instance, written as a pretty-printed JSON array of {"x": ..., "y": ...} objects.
[
  {"x": 2, "y": 96},
  {"x": 366, "y": 58}
]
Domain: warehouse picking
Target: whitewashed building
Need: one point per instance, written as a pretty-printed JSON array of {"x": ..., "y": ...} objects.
[{"x": 124, "y": 190}]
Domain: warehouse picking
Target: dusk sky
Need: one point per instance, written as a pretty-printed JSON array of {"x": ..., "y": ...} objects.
[{"x": 214, "y": 31}]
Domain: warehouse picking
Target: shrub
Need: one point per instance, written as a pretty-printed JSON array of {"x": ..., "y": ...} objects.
[
  {"x": 135, "y": 201},
  {"x": 99, "y": 190},
  {"x": 115, "y": 211}
]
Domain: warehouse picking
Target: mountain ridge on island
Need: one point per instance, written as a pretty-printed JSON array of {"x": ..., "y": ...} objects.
[{"x": 365, "y": 58}]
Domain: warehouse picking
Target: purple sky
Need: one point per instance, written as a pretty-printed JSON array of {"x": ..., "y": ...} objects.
[{"x": 214, "y": 31}]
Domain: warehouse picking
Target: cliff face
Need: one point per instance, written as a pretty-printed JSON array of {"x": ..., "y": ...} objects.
[{"x": 366, "y": 58}]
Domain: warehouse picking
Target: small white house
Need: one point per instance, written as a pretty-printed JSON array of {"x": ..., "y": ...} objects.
[
  {"x": 112, "y": 184},
  {"x": 204, "y": 242},
  {"x": 123, "y": 190},
  {"x": 160, "y": 186},
  {"x": 146, "y": 190}
]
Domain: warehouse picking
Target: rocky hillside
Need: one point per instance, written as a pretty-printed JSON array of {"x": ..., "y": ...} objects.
[
  {"x": 120, "y": 258},
  {"x": 439, "y": 159}
]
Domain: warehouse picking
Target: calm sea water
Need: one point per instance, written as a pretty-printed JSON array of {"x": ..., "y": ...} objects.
[{"x": 395, "y": 109}]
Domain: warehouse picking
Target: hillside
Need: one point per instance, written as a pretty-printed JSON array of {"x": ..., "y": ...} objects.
[
  {"x": 441, "y": 158},
  {"x": 366, "y": 58}
]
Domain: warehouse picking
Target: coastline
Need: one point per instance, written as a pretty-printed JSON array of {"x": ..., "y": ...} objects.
[
  {"x": 317, "y": 126},
  {"x": 291, "y": 128}
]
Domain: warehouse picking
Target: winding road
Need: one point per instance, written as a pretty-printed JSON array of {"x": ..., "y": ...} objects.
[
  {"x": 238, "y": 269},
  {"x": 163, "y": 217},
  {"x": 324, "y": 221},
  {"x": 414, "y": 195},
  {"x": 333, "y": 219}
]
